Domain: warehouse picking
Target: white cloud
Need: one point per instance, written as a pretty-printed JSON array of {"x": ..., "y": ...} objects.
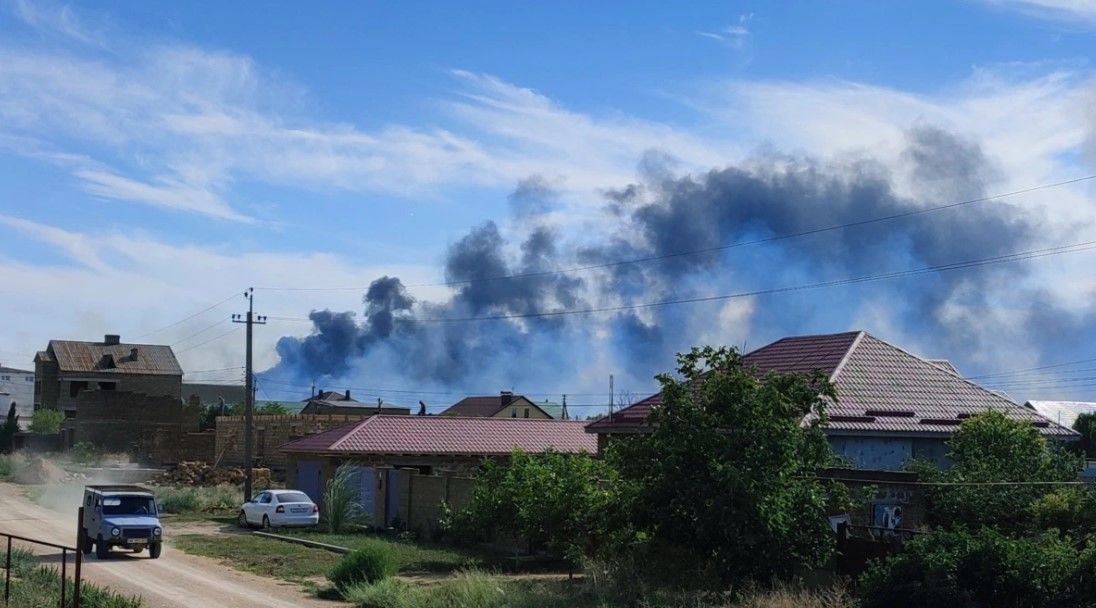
[
  {"x": 1061, "y": 10},
  {"x": 735, "y": 35},
  {"x": 47, "y": 16}
]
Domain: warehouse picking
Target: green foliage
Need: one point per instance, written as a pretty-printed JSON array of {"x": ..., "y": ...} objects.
[
  {"x": 46, "y": 421},
  {"x": 991, "y": 447},
  {"x": 341, "y": 506},
  {"x": 368, "y": 564},
  {"x": 983, "y": 568},
  {"x": 8, "y": 430},
  {"x": 34, "y": 585},
  {"x": 7, "y": 467},
  {"x": 1085, "y": 424},
  {"x": 723, "y": 486},
  {"x": 553, "y": 500},
  {"x": 85, "y": 453},
  {"x": 197, "y": 500}
]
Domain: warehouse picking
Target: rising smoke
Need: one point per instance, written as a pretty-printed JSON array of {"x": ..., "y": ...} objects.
[{"x": 662, "y": 214}]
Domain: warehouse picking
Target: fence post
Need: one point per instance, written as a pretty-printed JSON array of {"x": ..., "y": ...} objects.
[
  {"x": 64, "y": 572},
  {"x": 7, "y": 575},
  {"x": 81, "y": 539}
]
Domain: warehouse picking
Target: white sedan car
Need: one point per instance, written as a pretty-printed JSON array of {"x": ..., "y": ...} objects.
[{"x": 279, "y": 508}]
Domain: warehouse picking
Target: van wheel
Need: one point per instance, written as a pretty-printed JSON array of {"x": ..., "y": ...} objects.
[
  {"x": 241, "y": 520},
  {"x": 154, "y": 550},
  {"x": 102, "y": 550}
]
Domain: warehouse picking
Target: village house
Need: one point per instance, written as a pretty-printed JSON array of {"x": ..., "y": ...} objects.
[
  {"x": 332, "y": 402},
  {"x": 504, "y": 405},
  {"x": 892, "y": 406},
  {"x": 17, "y": 387},
  {"x": 407, "y": 466}
]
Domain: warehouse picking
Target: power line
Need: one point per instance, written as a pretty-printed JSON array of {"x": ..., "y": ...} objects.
[
  {"x": 1001, "y": 259},
  {"x": 184, "y": 319},
  {"x": 214, "y": 338},
  {"x": 1032, "y": 369},
  {"x": 769, "y": 239},
  {"x": 200, "y": 332}
]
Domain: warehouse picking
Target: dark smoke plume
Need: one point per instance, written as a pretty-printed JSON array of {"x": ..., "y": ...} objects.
[{"x": 664, "y": 214}]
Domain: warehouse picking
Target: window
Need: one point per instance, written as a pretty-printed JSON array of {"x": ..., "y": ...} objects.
[
  {"x": 76, "y": 386},
  {"x": 70, "y": 414},
  {"x": 264, "y": 498},
  {"x": 513, "y": 413},
  {"x": 108, "y": 386},
  {"x": 87, "y": 503},
  {"x": 5, "y": 377},
  {"x": 128, "y": 505},
  {"x": 293, "y": 497},
  {"x": 29, "y": 378},
  {"x": 526, "y": 412}
]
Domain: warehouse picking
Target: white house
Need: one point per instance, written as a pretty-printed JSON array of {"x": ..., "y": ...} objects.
[{"x": 17, "y": 386}]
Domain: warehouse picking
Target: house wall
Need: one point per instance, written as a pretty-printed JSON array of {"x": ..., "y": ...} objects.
[
  {"x": 17, "y": 386},
  {"x": 520, "y": 408},
  {"x": 892, "y": 493},
  {"x": 154, "y": 428},
  {"x": 889, "y": 453},
  {"x": 269, "y": 434},
  {"x": 56, "y": 386}
]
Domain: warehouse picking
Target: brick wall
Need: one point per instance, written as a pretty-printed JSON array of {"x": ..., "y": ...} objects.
[
  {"x": 269, "y": 434},
  {"x": 152, "y": 428}
]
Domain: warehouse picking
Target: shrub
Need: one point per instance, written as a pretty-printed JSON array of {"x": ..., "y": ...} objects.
[
  {"x": 7, "y": 467},
  {"x": 369, "y": 563},
  {"x": 85, "y": 453},
  {"x": 984, "y": 568},
  {"x": 193, "y": 500},
  {"x": 46, "y": 421},
  {"x": 177, "y": 500},
  {"x": 340, "y": 499}
]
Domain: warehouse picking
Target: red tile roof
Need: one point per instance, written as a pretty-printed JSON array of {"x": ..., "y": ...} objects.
[
  {"x": 448, "y": 436},
  {"x": 880, "y": 389}
]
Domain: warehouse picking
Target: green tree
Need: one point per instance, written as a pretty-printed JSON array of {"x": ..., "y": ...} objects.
[
  {"x": 46, "y": 421},
  {"x": 989, "y": 449},
  {"x": 1085, "y": 424},
  {"x": 558, "y": 501},
  {"x": 8, "y": 430},
  {"x": 726, "y": 474}
]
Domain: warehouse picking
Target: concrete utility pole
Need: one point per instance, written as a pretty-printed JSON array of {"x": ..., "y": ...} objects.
[
  {"x": 249, "y": 387},
  {"x": 611, "y": 398}
]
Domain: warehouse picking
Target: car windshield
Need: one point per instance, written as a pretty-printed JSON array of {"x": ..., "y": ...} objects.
[
  {"x": 128, "y": 505},
  {"x": 293, "y": 497}
]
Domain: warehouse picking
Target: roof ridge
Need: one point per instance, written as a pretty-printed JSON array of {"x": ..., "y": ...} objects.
[
  {"x": 357, "y": 426},
  {"x": 848, "y": 353}
]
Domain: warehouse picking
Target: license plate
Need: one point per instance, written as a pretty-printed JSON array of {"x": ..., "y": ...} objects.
[
  {"x": 135, "y": 541},
  {"x": 300, "y": 510}
]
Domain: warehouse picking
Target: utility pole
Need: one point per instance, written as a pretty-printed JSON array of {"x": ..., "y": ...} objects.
[
  {"x": 611, "y": 398},
  {"x": 249, "y": 387}
]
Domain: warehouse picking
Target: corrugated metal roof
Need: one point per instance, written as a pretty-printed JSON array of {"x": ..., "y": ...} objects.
[
  {"x": 880, "y": 389},
  {"x": 152, "y": 359},
  {"x": 448, "y": 436}
]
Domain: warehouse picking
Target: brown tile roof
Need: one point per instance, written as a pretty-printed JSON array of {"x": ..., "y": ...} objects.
[
  {"x": 880, "y": 389},
  {"x": 448, "y": 436},
  {"x": 152, "y": 359},
  {"x": 482, "y": 406}
]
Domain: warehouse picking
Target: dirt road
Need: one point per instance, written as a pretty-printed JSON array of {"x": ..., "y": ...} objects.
[{"x": 174, "y": 580}]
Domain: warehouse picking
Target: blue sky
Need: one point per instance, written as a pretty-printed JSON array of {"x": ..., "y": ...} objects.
[{"x": 157, "y": 157}]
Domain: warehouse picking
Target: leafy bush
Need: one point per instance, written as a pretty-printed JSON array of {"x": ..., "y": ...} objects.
[
  {"x": 46, "y": 421},
  {"x": 370, "y": 563},
  {"x": 7, "y": 467},
  {"x": 194, "y": 500},
  {"x": 341, "y": 506},
  {"x": 984, "y": 568},
  {"x": 85, "y": 453}
]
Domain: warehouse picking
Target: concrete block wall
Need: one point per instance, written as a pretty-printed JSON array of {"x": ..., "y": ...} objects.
[
  {"x": 269, "y": 434},
  {"x": 152, "y": 428}
]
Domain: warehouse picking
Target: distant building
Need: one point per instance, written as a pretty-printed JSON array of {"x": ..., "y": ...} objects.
[
  {"x": 891, "y": 406},
  {"x": 68, "y": 368},
  {"x": 1062, "y": 412},
  {"x": 504, "y": 405},
  {"x": 17, "y": 386},
  {"x": 331, "y": 402},
  {"x": 212, "y": 394}
]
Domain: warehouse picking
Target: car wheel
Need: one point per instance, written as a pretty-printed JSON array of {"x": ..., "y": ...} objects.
[
  {"x": 102, "y": 550},
  {"x": 154, "y": 550},
  {"x": 266, "y": 522},
  {"x": 242, "y": 520}
]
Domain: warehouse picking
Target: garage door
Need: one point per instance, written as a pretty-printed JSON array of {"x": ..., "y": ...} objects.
[{"x": 308, "y": 479}]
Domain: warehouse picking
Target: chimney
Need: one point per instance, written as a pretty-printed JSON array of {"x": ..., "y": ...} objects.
[
  {"x": 110, "y": 339},
  {"x": 506, "y": 397},
  {"x": 133, "y": 354},
  {"x": 348, "y": 394}
]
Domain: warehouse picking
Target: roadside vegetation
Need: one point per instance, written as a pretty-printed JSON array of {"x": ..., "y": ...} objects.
[
  {"x": 35, "y": 586},
  {"x": 221, "y": 500}
]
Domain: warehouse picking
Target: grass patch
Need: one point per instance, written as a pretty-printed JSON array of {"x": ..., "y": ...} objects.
[
  {"x": 34, "y": 586},
  {"x": 471, "y": 589},
  {"x": 410, "y": 556},
  {"x": 224, "y": 499},
  {"x": 262, "y": 556},
  {"x": 7, "y": 467}
]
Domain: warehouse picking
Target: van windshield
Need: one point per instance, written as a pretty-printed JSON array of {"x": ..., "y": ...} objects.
[{"x": 128, "y": 505}]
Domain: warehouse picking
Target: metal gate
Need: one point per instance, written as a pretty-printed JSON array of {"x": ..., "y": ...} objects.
[{"x": 308, "y": 479}]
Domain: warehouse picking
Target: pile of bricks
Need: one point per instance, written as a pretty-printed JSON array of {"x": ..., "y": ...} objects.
[{"x": 197, "y": 473}]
